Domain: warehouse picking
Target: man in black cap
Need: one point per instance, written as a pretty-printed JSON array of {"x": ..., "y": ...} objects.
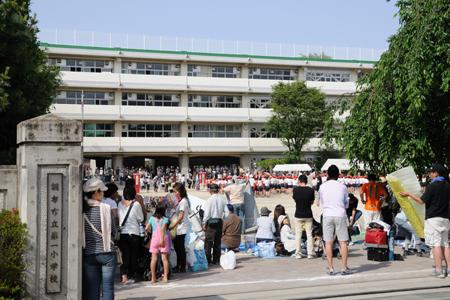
[
  {"x": 215, "y": 210},
  {"x": 437, "y": 224}
]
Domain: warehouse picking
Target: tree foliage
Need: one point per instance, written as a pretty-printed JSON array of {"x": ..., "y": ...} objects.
[
  {"x": 297, "y": 112},
  {"x": 13, "y": 242},
  {"x": 401, "y": 113},
  {"x": 269, "y": 163},
  {"x": 27, "y": 84}
]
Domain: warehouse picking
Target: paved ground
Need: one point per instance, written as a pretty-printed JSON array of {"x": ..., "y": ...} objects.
[{"x": 288, "y": 278}]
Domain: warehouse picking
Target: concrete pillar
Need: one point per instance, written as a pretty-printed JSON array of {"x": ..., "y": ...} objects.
[
  {"x": 183, "y": 161},
  {"x": 117, "y": 67},
  {"x": 246, "y": 161},
  {"x": 184, "y": 69},
  {"x": 301, "y": 74},
  {"x": 354, "y": 75},
  {"x": 117, "y": 97},
  {"x": 118, "y": 128},
  {"x": 245, "y": 131},
  {"x": 245, "y": 101},
  {"x": 184, "y": 98},
  {"x": 49, "y": 160},
  {"x": 117, "y": 161},
  {"x": 244, "y": 72},
  {"x": 184, "y": 129}
]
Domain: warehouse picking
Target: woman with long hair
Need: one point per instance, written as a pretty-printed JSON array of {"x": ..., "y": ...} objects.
[
  {"x": 181, "y": 222},
  {"x": 277, "y": 212},
  {"x": 130, "y": 218},
  {"x": 99, "y": 256}
]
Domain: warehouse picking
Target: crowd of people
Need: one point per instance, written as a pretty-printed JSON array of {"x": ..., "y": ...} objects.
[
  {"x": 127, "y": 220},
  {"x": 198, "y": 177}
]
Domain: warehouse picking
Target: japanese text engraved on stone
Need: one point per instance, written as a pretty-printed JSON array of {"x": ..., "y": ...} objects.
[{"x": 54, "y": 231}]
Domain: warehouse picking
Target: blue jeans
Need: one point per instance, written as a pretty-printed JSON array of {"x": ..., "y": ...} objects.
[
  {"x": 240, "y": 212},
  {"x": 98, "y": 272}
]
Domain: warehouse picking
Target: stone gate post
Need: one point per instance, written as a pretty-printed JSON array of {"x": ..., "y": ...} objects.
[{"x": 49, "y": 160}]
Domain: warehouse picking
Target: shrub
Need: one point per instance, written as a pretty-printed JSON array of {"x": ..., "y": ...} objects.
[{"x": 13, "y": 241}]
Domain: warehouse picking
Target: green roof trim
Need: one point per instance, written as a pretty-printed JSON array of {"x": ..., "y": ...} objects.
[{"x": 48, "y": 45}]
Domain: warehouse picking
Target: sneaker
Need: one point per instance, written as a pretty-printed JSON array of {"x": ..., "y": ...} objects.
[
  {"x": 311, "y": 256},
  {"x": 298, "y": 256},
  {"x": 346, "y": 271},
  {"x": 330, "y": 272},
  {"x": 441, "y": 274},
  {"x": 351, "y": 243}
]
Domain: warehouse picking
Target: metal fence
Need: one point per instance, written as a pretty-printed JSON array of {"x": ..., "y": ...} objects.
[{"x": 135, "y": 41}]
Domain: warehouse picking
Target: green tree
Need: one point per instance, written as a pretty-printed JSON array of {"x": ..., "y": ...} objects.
[
  {"x": 401, "y": 113},
  {"x": 269, "y": 163},
  {"x": 13, "y": 243},
  {"x": 27, "y": 84},
  {"x": 298, "y": 111}
]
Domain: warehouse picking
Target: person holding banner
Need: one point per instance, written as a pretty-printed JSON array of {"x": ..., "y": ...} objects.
[{"x": 437, "y": 224}]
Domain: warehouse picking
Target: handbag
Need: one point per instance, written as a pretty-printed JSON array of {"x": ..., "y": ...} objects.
[
  {"x": 119, "y": 256},
  {"x": 173, "y": 231}
]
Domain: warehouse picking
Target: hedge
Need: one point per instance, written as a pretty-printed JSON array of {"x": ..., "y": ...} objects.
[{"x": 13, "y": 242}]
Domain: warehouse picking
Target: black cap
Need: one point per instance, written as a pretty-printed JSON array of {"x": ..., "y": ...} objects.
[{"x": 440, "y": 169}]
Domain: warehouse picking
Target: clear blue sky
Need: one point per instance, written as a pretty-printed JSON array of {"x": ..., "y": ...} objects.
[{"x": 353, "y": 23}]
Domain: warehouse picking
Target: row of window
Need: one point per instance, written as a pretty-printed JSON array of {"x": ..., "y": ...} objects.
[
  {"x": 97, "y": 66},
  {"x": 148, "y": 99},
  {"x": 173, "y": 130}
]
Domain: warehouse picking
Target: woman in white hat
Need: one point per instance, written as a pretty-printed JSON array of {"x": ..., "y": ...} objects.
[{"x": 99, "y": 256}]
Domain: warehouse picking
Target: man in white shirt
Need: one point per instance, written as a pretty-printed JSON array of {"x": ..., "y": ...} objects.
[
  {"x": 333, "y": 198},
  {"x": 215, "y": 210}
]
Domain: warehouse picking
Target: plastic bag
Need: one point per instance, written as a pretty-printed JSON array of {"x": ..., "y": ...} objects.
[
  {"x": 266, "y": 249},
  {"x": 200, "y": 262},
  {"x": 228, "y": 260},
  {"x": 173, "y": 258}
]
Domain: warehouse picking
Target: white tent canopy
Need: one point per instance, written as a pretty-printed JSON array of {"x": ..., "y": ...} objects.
[
  {"x": 292, "y": 168},
  {"x": 342, "y": 163}
]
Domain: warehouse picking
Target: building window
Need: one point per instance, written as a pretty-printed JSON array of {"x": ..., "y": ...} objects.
[
  {"x": 89, "y": 97},
  {"x": 272, "y": 74},
  {"x": 81, "y": 65},
  {"x": 213, "y": 71},
  {"x": 260, "y": 102},
  {"x": 261, "y": 132},
  {"x": 211, "y": 130},
  {"x": 327, "y": 75},
  {"x": 223, "y": 101},
  {"x": 150, "y": 68},
  {"x": 144, "y": 99},
  {"x": 98, "y": 130},
  {"x": 150, "y": 130}
]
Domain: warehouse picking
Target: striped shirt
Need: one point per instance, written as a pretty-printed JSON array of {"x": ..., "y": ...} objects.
[{"x": 94, "y": 242}]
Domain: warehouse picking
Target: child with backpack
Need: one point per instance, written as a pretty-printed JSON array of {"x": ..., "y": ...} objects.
[{"x": 160, "y": 242}]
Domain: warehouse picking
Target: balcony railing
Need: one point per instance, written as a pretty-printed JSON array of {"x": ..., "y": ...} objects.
[{"x": 145, "y": 42}]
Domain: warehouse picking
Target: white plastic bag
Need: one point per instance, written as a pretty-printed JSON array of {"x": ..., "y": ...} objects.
[
  {"x": 228, "y": 260},
  {"x": 173, "y": 258}
]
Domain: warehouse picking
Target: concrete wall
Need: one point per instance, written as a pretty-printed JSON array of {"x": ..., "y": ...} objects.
[{"x": 8, "y": 187}]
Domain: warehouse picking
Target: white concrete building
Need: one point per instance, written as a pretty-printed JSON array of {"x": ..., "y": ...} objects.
[{"x": 183, "y": 108}]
